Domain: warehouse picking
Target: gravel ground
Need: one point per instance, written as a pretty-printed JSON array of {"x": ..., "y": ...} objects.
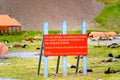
[
  {"x": 106, "y": 42},
  {"x": 22, "y": 54}
]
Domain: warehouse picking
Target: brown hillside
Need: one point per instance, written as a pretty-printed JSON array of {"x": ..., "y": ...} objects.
[{"x": 32, "y": 13}]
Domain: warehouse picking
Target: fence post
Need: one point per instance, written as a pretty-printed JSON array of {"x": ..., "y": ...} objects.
[
  {"x": 40, "y": 57},
  {"x": 64, "y": 58},
  {"x": 45, "y": 57},
  {"x": 84, "y": 57}
]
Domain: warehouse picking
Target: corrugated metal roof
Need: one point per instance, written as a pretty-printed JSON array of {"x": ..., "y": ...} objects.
[
  {"x": 102, "y": 34},
  {"x": 6, "y": 20}
]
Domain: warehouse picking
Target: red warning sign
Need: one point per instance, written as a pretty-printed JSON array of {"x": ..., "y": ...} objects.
[{"x": 65, "y": 45}]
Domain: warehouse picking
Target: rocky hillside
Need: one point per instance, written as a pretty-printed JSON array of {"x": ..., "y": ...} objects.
[{"x": 32, "y": 13}]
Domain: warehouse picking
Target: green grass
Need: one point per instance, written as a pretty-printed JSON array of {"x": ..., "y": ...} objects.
[
  {"x": 109, "y": 18},
  {"x": 26, "y": 69},
  {"x": 102, "y": 51}
]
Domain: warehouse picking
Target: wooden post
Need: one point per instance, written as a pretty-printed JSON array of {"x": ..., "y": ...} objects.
[
  {"x": 64, "y": 58},
  {"x": 45, "y": 57},
  {"x": 58, "y": 62},
  {"x": 84, "y": 57},
  {"x": 40, "y": 57},
  {"x": 77, "y": 65}
]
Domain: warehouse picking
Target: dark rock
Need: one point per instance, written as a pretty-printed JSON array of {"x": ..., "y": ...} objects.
[
  {"x": 38, "y": 48},
  {"x": 24, "y": 46},
  {"x": 77, "y": 57},
  {"x": 110, "y": 54},
  {"x": 88, "y": 70},
  {"x": 72, "y": 66},
  {"x": 118, "y": 57},
  {"x": 113, "y": 45}
]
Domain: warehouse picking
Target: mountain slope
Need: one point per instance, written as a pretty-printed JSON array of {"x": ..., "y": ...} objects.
[
  {"x": 109, "y": 18},
  {"x": 31, "y": 14}
]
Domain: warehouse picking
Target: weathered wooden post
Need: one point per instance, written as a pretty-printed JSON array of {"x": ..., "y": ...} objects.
[{"x": 40, "y": 57}]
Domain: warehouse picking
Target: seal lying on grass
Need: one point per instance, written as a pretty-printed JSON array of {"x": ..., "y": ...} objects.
[
  {"x": 110, "y": 60},
  {"x": 109, "y": 71}
]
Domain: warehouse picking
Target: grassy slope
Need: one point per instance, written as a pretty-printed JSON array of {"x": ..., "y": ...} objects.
[{"x": 109, "y": 18}]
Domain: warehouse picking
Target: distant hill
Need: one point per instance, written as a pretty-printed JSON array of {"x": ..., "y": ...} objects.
[
  {"x": 109, "y": 18},
  {"x": 31, "y": 14}
]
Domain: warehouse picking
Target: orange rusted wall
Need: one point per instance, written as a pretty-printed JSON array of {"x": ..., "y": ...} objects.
[{"x": 3, "y": 28}]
